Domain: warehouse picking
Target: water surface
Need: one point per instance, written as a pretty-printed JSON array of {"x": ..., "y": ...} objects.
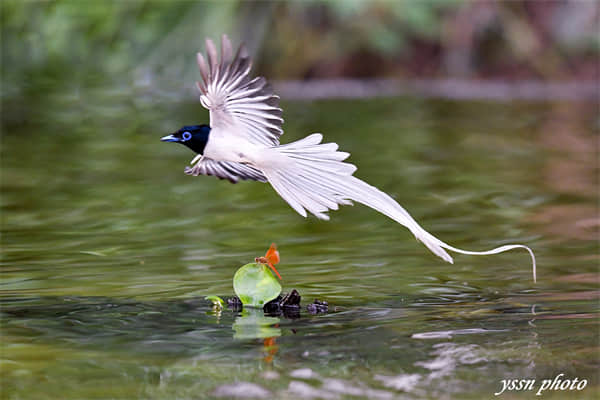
[{"x": 108, "y": 250}]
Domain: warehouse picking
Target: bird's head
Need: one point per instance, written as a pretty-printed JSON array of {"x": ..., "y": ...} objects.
[{"x": 193, "y": 136}]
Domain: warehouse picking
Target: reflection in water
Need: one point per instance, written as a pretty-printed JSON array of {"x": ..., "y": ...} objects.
[
  {"x": 253, "y": 324},
  {"x": 570, "y": 168},
  {"x": 447, "y": 356},
  {"x": 450, "y": 334},
  {"x": 270, "y": 349}
]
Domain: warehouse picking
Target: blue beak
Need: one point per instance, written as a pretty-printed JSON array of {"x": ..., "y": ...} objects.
[{"x": 169, "y": 138}]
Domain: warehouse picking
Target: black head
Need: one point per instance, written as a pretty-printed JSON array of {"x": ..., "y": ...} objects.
[{"x": 193, "y": 136}]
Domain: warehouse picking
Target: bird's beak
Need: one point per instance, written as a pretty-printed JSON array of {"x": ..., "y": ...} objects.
[{"x": 169, "y": 138}]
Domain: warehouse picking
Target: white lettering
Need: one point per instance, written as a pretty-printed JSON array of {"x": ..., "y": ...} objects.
[
  {"x": 556, "y": 382},
  {"x": 574, "y": 384},
  {"x": 545, "y": 384},
  {"x": 515, "y": 384},
  {"x": 504, "y": 386},
  {"x": 529, "y": 384}
]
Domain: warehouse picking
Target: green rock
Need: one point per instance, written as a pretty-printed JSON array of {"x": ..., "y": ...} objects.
[{"x": 255, "y": 285}]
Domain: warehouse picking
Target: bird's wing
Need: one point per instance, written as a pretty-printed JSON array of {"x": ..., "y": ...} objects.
[
  {"x": 243, "y": 106},
  {"x": 231, "y": 171}
]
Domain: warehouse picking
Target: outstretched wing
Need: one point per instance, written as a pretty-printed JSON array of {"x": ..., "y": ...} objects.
[
  {"x": 231, "y": 171},
  {"x": 243, "y": 106}
]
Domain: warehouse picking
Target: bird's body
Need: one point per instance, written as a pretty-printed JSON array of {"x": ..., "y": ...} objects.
[
  {"x": 235, "y": 149},
  {"x": 242, "y": 142}
]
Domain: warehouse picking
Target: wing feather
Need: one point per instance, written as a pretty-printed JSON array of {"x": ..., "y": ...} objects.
[
  {"x": 226, "y": 55},
  {"x": 213, "y": 61},
  {"x": 203, "y": 67},
  {"x": 231, "y": 171},
  {"x": 234, "y": 98}
]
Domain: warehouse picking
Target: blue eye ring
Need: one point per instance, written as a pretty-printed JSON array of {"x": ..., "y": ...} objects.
[{"x": 186, "y": 136}]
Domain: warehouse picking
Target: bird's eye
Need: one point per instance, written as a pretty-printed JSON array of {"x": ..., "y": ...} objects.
[{"x": 186, "y": 136}]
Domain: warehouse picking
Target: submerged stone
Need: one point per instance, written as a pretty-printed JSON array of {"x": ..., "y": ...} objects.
[{"x": 246, "y": 390}]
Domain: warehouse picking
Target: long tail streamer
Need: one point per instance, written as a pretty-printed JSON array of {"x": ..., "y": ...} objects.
[{"x": 317, "y": 180}]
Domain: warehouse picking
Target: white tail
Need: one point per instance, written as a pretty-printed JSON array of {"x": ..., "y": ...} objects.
[{"x": 313, "y": 177}]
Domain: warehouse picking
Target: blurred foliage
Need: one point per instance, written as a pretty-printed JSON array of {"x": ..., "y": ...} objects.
[
  {"x": 50, "y": 50},
  {"x": 437, "y": 38}
]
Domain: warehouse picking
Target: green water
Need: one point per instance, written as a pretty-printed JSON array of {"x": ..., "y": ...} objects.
[{"x": 108, "y": 250}]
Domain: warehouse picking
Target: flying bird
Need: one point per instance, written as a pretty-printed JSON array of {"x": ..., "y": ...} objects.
[{"x": 242, "y": 142}]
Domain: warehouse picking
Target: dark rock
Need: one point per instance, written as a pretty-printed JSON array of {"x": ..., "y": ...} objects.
[
  {"x": 235, "y": 303},
  {"x": 292, "y": 312},
  {"x": 291, "y": 299},
  {"x": 318, "y": 307},
  {"x": 286, "y": 305},
  {"x": 291, "y": 304},
  {"x": 273, "y": 307}
]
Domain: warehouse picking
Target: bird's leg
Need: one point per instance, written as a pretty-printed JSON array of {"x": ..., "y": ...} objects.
[
  {"x": 195, "y": 170},
  {"x": 198, "y": 158}
]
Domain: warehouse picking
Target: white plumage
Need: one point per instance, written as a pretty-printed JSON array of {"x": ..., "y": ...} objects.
[{"x": 310, "y": 176}]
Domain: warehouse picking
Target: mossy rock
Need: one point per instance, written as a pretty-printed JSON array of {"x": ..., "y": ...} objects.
[{"x": 255, "y": 285}]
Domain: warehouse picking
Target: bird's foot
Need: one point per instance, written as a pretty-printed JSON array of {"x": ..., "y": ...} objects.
[{"x": 198, "y": 158}]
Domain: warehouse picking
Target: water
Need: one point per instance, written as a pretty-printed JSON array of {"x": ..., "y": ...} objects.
[{"x": 108, "y": 250}]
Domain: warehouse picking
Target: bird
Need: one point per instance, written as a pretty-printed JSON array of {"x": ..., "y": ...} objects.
[{"x": 242, "y": 142}]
